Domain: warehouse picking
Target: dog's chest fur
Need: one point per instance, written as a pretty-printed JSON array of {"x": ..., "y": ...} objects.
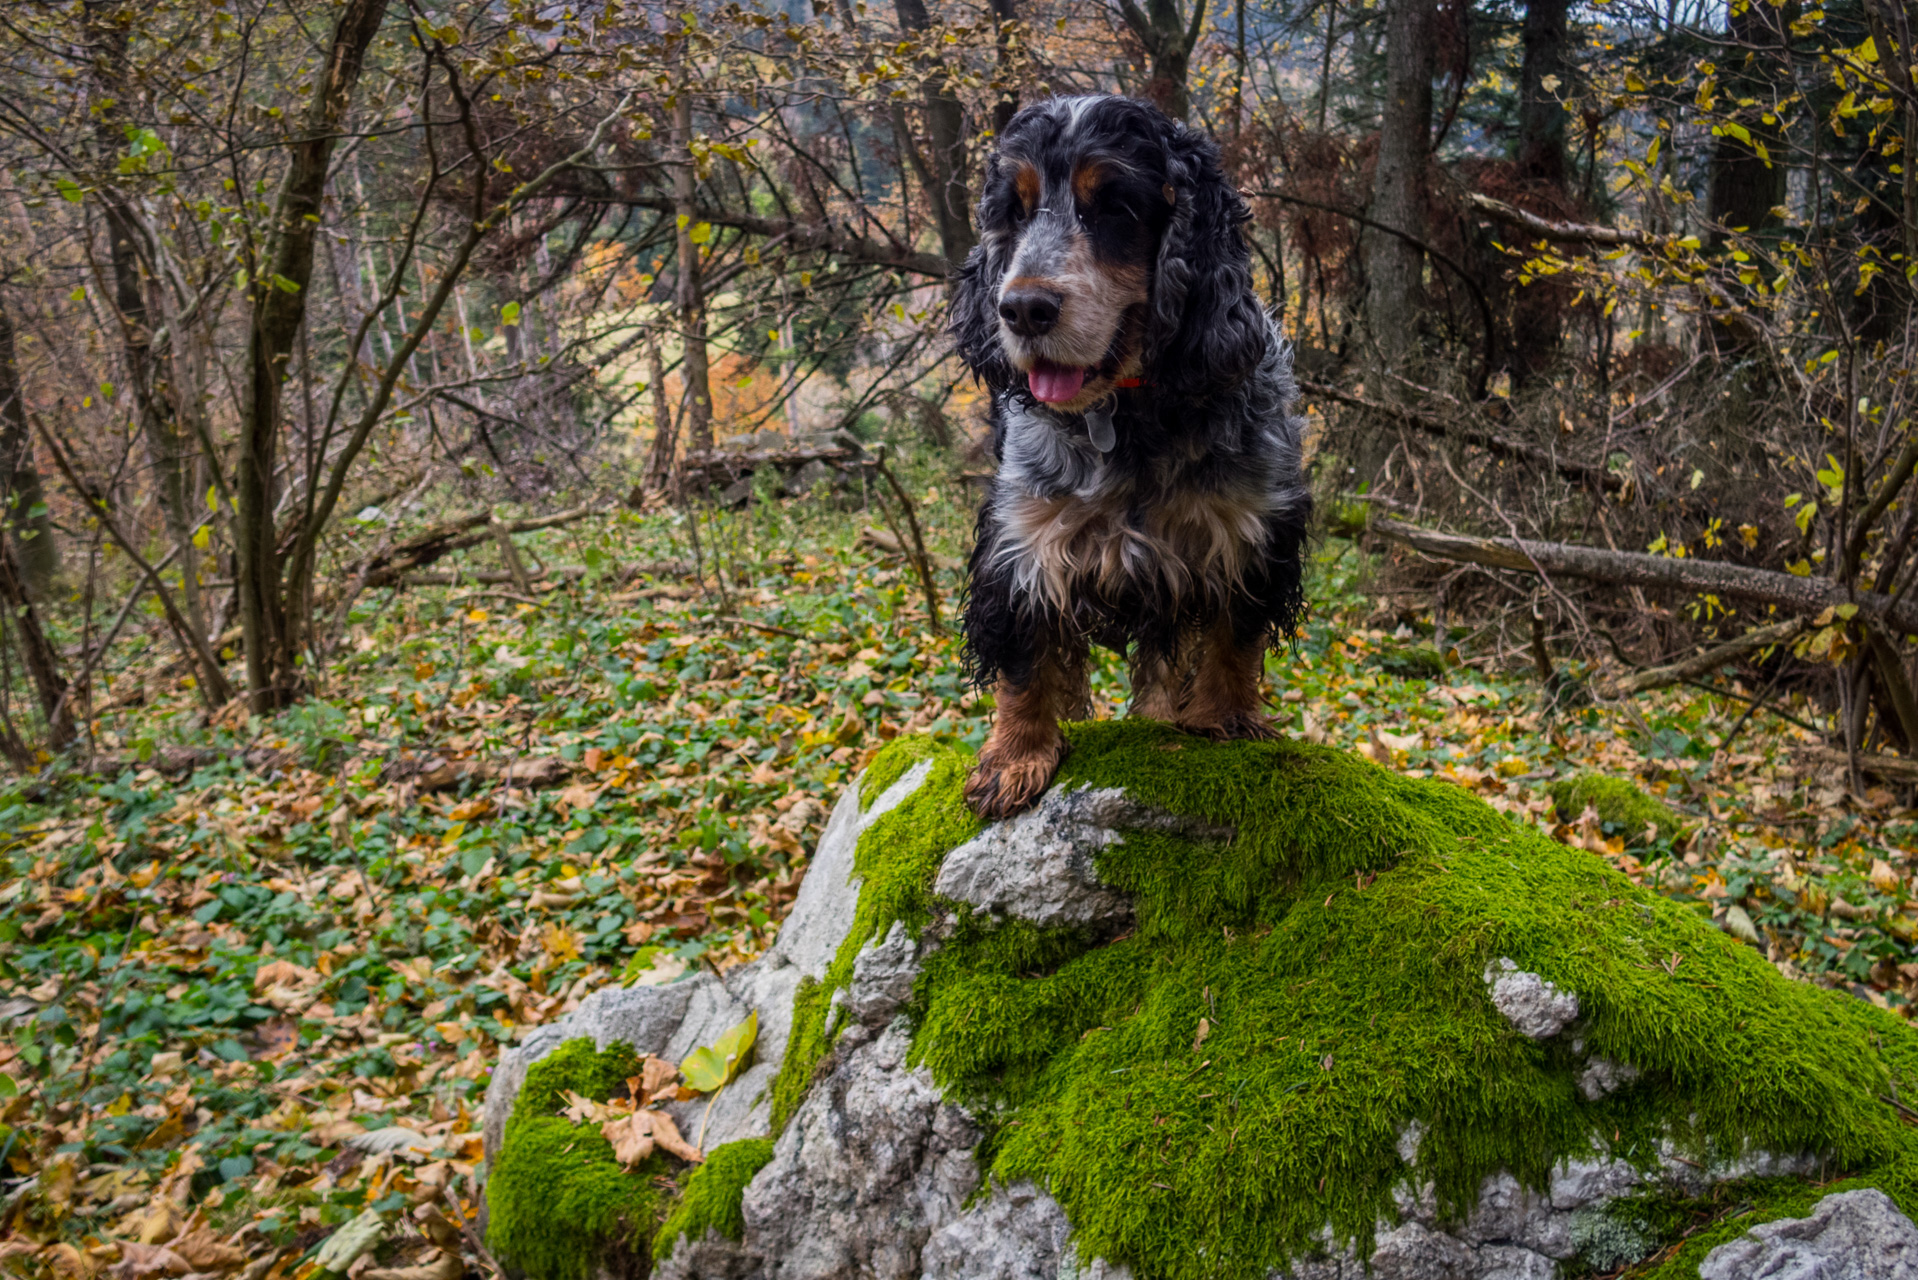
[{"x": 1177, "y": 523}]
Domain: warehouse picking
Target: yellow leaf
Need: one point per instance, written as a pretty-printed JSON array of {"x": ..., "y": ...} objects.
[{"x": 713, "y": 1066}]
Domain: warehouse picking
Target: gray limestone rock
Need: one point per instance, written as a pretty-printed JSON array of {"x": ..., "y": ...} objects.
[
  {"x": 1856, "y": 1235},
  {"x": 1038, "y": 865},
  {"x": 874, "y": 1177},
  {"x": 1537, "y": 1008},
  {"x": 673, "y": 1020}
]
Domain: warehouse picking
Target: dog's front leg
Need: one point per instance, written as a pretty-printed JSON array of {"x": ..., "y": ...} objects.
[{"x": 1023, "y": 752}]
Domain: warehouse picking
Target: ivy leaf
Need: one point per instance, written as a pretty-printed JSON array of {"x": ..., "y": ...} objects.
[{"x": 714, "y": 1066}]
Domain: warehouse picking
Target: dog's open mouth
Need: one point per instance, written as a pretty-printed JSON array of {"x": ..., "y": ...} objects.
[{"x": 1055, "y": 383}]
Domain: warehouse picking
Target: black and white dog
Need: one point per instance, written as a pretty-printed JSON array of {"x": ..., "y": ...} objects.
[{"x": 1149, "y": 495}]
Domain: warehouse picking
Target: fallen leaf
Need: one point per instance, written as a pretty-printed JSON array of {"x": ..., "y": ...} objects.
[
  {"x": 207, "y": 1252},
  {"x": 631, "y": 1136},
  {"x": 446, "y": 1266},
  {"x": 666, "y": 1134},
  {"x": 713, "y": 1066},
  {"x": 655, "y": 1076},
  {"x": 1205, "y": 1029},
  {"x": 140, "y": 1261}
]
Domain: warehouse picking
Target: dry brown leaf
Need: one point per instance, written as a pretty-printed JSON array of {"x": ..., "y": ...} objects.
[
  {"x": 207, "y": 1252},
  {"x": 447, "y": 1266},
  {"x": 666, "y": 1134},
  {"x": 583, "y": 1110},
  {"x": 631, "y": 1137},
  {"x": 141, "y": 1261},
  {"x": 655, "y": 1075},
  {"x": 1205, "y": 1029}
]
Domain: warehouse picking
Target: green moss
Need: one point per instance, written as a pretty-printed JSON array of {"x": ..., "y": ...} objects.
[
  {"x": 1618, "y": 802},
  {"x": 1335, "y": 947},
  {"x": 1729, "y": 1211},
  {"x": 557, "y": 1200},
  {"x": 1413, "y": 662},
  {"x": 715, "y": 1194}
]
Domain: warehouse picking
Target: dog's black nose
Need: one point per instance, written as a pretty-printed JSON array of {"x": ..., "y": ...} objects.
[{"x": 1030, "y": 312}]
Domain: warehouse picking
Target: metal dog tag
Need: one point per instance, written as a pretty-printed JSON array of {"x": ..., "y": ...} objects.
[{"x": 1099, "y": 427}]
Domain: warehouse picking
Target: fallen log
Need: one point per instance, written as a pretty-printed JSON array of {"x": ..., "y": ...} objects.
[
  {"x": 712, "y": 465},
  {"x": 431, "y": 544},
  {"x": 1891, "y": 768},
  {"x": 1699, "y": 665},
  {"x": 1563, "y": 232},
  {"x": 1801, "y": 596},
  {"x": 1590, "y": 475}
]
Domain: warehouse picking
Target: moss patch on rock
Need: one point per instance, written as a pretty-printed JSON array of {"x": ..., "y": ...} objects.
[
  {"x": 558, "y": 1202},
  {"x": 715, "y": 1195},
  {"x": 1618, "y": 802},
  {"x": 1335, "y": 948}
]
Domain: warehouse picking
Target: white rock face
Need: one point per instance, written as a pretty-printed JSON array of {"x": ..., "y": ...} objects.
[
  {"x": 1859, "y": 1235},
  {"x": 1536, "y": 1007},
  {"x": 871, "y": 1178},
  {"x": 1038, "y": 865}
]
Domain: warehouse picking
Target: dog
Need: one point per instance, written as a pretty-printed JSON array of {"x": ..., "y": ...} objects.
[{"x": 1149, "y": 495}]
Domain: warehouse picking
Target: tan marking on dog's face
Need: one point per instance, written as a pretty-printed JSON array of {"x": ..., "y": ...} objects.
[
  {"x": 1026, "y": 183},
  {"x": 1192, "y": 546},
  {"x": 1086, "y": 179}
]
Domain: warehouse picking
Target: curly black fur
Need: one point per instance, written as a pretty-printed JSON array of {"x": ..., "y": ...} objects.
[{"x": 1211, "y": 429}]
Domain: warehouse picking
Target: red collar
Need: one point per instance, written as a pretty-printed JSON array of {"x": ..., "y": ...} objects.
[{"x": 1129, "y": 383}]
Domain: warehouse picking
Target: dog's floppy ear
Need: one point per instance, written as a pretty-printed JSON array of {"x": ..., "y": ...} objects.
[
  {"x": 975, "y": 313},
  {"x": 1207, "y": 331}
]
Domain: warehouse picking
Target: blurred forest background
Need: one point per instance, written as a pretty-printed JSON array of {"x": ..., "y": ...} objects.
[{"x": 477, "y": 479}]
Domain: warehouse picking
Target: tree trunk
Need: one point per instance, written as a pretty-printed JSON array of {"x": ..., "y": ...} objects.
[
  {"x": 1394, "y": 268},
  {"x": 692, "y": 303},
  {"x": 1540, "y": 154},
  {"x": 659, "y": 459},
  {"x": 1537, "y": 311},
  {"x": 23, "y": 503},
  {"x": 945, "y": 155},
  {"x": 271, "y": 623},
  {"x": 1744, "y": 187},
  {"x": 42, "y": 661},
  {"x": 169, "y": 453},
  {"x": 1168, "y": 42}
]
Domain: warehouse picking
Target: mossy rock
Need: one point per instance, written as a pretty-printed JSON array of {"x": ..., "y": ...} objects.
[
  {"x": 713, "y": 1195},
  {"x": 559, "y": 1205},
  {"x": 1411, "y": 662},
  {"x": 1619, "y": 803},
  {"x": 1296, "y": 1045}
]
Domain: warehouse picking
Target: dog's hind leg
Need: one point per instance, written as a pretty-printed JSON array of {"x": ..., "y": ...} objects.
[
  {"x": 1225, "y": 697},
  {"x": 1023, "y": 753}
]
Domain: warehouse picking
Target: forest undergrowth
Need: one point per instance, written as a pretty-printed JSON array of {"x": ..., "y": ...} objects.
[{"x": 211, "y": 980}]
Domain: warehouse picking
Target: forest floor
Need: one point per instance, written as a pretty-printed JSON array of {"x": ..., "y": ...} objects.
[{"x": 209, "y": 981}]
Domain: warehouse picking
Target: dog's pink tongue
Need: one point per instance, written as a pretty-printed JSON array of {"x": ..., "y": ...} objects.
[{"x": 1055, "y": 383}]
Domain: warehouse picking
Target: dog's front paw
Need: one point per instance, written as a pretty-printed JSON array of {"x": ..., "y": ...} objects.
[
  {"x": 1248, "y": 725},
  {"x": 999, "y": 788}
]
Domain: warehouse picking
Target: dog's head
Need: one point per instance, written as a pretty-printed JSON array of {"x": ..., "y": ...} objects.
[{"x": 1109, "y": 250}]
